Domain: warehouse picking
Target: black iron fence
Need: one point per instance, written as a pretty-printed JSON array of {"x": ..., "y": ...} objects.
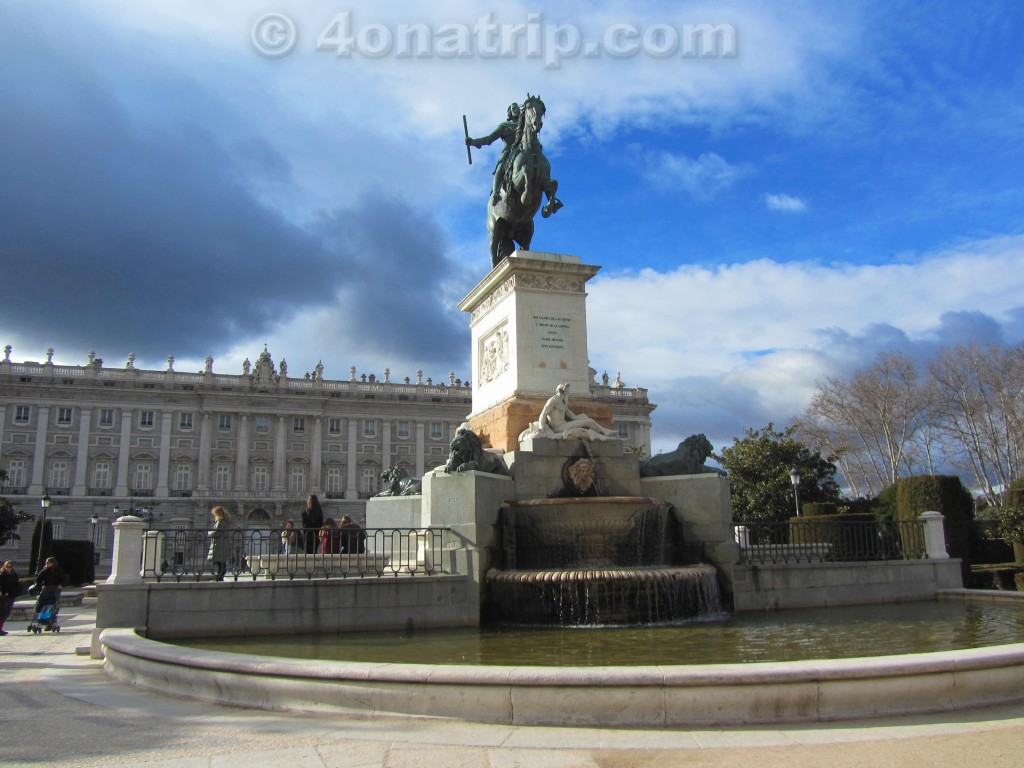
[
  {"x": 180, "y": 554},
  {"x": 826, "y": 541}
]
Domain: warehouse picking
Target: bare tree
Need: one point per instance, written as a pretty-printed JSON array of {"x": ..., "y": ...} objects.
[
  {"x": 871, "y": 423},
  {"x": 979, "y": 406}
]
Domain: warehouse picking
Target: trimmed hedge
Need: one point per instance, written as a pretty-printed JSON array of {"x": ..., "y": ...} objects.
[
  {"x": 77, "y": 559},
  {"x": 944, "y": 494},
  {"x": 819, "y": 508},
  {"x": 47, "y": 534}
]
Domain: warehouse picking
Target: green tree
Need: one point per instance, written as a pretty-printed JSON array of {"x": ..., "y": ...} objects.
[
  {"x": 759, "y": 466},
  {"x": 10, "y": 518}
]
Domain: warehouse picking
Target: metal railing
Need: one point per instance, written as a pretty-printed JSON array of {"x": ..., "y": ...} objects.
[
  {"x": 827, "y": 541},
  {"x": 179, "y": 554}
]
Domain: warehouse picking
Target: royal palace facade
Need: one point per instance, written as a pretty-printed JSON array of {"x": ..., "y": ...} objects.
[{"x": 169, "y": 445}]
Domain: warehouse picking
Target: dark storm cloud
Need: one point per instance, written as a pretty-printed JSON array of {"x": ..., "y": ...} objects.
[
  {"x": 389, "y": 279},
  {"x": 130, "y": 216},
  {"x": 128, "y": 229}
]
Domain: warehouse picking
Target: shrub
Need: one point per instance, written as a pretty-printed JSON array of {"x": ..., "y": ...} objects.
[
  {"x": 1013, "y": 496},
  {"x": 886, "y": 503},
  {"x": 1011, "y": 523}
]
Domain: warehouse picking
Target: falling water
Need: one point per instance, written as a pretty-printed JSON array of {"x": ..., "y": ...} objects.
[{"x": 613, "y": 560}]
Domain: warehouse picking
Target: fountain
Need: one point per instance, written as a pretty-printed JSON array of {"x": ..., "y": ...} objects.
[
  {"x": 569, "y": 533},
  {"x": 595, "y": 561}
]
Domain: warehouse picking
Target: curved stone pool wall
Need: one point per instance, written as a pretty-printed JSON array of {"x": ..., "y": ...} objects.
[{"x": 655, "y": 696}]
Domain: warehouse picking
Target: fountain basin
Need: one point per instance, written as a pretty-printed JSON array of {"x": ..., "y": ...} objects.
[{"x": 643, "y": 696}]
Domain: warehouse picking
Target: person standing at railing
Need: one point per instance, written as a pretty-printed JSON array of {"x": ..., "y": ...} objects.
[
  {"x": 330, "y": 538},
  {"x": 312, "y": 522},
  {"x": 219, "y": 543},
  {"x": 353, "y": 537},
  {"x": 289, "y": 539}
]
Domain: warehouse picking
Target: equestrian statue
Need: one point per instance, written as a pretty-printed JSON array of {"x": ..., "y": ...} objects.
[{"x": 522, "y": 177}]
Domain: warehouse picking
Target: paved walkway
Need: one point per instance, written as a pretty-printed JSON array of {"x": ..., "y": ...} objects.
[{"x": 60, "y": 709}]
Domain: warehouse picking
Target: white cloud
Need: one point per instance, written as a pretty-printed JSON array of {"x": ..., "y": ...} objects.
[
  {"x": 735, "y": 346},
  {"x": 702, "y": 177},
  {"x": 785, "y": 203}
]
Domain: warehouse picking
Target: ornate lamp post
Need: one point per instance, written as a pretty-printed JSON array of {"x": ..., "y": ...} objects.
[
  {"x": 44, "y": 503},
  {"x": 794, "y": 476}
]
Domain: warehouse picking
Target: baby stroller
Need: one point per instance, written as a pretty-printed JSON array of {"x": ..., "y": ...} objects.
[{"x": 47, "y": 609}]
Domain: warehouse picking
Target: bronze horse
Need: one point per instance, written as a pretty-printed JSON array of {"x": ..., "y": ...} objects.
[{"x": 527, "y": 178}]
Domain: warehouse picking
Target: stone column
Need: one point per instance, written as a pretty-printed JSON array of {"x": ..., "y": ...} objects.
[
  {"x": 280, "y": 456},
  {"x": 3, "y": 419},
  {"x": 39, "y": 457},
  {"x": 316, "y": 456},
  {"x": 205, "y": 448},
  {"x": 127, "y": 562},
  {"x": 82, "y": 454},
  {"x": 934, "y": 535},
  {"x": 351, "y": 489},
  {"x": 242, "y": 455},
  {"x": 123, "y": 453},
  {"x": 420, "y": 447},
  {"x": 163, "y": 467},
  {"x": 385, "y": 456}
]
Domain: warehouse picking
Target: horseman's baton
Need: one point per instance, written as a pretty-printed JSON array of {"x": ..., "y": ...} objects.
[{"x": 465, "y": 129}]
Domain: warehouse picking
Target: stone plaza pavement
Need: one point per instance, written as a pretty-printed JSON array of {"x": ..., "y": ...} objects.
[{"x": 58, "y": 708}]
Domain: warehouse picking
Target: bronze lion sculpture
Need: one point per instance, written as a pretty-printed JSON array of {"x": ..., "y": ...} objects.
[{"x": 687, "y": 459}]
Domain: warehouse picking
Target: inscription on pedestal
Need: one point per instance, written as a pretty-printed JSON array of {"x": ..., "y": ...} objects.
[{"x": 552, "y": 337}]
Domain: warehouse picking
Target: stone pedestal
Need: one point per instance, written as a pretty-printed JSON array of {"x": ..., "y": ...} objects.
[{"x": 529, "y": 334}]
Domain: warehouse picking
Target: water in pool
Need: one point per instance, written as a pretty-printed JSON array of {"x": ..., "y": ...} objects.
[{"x": 820, "y": 633}]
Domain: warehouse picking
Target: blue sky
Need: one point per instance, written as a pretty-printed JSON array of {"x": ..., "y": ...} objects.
[{"x": 845, "y": 181}]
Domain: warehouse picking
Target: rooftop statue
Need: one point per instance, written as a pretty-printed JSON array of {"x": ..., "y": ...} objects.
[{"x": 521, "y": 177}]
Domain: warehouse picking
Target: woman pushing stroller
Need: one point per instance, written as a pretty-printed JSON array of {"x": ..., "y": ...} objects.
[{"x": 48, "y": 584}]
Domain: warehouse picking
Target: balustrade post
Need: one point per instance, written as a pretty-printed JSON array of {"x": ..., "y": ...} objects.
[
  {"x": 934, "y": 535},
  {"x": 743, "y": 536},
  {"x": 125, "y": 568}
]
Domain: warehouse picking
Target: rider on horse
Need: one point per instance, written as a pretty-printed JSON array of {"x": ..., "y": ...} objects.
[{"x": 506, "y": 131}]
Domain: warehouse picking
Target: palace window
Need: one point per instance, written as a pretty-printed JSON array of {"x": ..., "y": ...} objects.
[
  {"x": 146, "y": 419},
  {"x": 334, "y": 426},
  {"x": 144, "y": 476},
  {"x": 436, "y": 430},
  {"x": 222, "y": 477},
  {"x": 22, "y": 413},
  {"x": 260, "y": 478},
  {"x": 64, "y": 415},
  {"x": 299, "y": 424},
  {"x": 183, "y": 477},
  {"x": 369, "y": 427},
  {"x": 106, "y": 417},
  {"x": 101, "y": 475},
  {"x": 333, "y": 480},
  {"x": 224, "y": 422},
  {"x": 262, "y": 424},
  {"x": 59, "y": 474},
  {"x": 16, "y": 473},
  {"x": 403, "y": 429},
  {"x": 297, "y": 480},
  {"x": 368, "y": 481}
]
